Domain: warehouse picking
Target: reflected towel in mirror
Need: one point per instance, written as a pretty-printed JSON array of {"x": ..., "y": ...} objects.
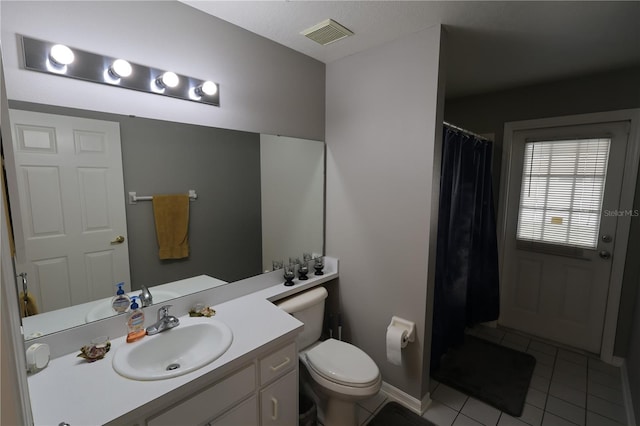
[
  {"x": 171, "y": 214},
  {"x": 28, "y": 305}
]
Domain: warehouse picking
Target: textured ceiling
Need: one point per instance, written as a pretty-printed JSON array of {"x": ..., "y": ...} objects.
[{"x": 490, "y": 45}]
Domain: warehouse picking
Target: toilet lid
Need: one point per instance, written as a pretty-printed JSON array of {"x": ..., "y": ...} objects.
[{"x": 343, "y": 363}]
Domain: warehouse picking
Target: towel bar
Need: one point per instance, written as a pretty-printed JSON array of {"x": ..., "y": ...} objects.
[{"x": 133, "y": 198}]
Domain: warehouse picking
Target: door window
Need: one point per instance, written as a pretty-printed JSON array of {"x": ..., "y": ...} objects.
[{"x": 562, "y": 190}]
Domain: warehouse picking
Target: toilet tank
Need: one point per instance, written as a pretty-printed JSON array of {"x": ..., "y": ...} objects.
[{"x": 308, "y": 308}]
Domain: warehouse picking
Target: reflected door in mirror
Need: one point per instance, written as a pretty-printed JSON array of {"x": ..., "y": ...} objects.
[{"x": 71, "y": 207}]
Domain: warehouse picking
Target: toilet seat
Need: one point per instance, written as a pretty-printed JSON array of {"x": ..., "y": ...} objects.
[{"x": 343, "y": 363}]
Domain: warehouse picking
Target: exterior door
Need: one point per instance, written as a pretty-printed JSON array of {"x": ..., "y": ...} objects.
[
  {"x": 70, "y": 217},
  {"x": 560, "y": 224}
]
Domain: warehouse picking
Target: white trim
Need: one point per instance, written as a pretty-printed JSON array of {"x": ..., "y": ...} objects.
[
  {"x": 622, "y": 236},
  {"x": 626, "y": 394},
  {"x": 11, "y": 315},
  {"x": 8, "y": 292},
  {"x": 626, "y": 203},
  {"x": 406, "y": 400}
]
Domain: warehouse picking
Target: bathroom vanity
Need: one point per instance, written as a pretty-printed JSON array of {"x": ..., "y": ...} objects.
[
  {"x": 255, "y": 382},
  {"x": 262, "y": 392}
]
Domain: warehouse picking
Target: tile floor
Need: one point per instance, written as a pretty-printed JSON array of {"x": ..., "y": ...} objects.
[{"x": 567, "y": 389}]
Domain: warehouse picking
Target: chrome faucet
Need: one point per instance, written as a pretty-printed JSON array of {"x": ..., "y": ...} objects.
[
  {"x": 146, "y": 298},
  {"x": 165, "y": 321}
]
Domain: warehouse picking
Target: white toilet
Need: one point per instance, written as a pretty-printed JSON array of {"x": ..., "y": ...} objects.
[{"x": 342, "y": 373}]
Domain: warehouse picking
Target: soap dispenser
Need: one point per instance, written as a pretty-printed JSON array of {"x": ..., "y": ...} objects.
[
  {"x": 135, "y": 322},
  {"x": 120, "y": 302}
]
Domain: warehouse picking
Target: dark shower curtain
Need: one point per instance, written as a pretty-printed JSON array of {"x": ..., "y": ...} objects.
[{"x": 466, "y": 288}]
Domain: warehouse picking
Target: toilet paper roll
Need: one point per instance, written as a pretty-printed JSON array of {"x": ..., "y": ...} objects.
[
  {"x": 38, "y": 356},
  {"x": 396, "y": 340}
]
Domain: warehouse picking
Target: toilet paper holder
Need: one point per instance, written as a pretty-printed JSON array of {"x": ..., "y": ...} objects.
[{"x": 409, "y": 326}]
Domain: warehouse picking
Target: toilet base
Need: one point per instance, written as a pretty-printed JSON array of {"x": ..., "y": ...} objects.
[
  {"x": 336, "y": 402},
  {"x": 333, "y": 409},
  {"x": 340, "y": 413}
]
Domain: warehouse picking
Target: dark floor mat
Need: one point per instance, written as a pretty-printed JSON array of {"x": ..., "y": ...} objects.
[
  {"x": 489, "y": 372},
  {"x": 394, "y": 414}
]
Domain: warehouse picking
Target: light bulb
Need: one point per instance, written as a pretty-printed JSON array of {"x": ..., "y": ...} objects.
[
  {"x": 61, "y": 55},
  {"x": 208, "y": 88},
  {"x": 168, "y": 79},
  {"x": 120, "y": 68}
]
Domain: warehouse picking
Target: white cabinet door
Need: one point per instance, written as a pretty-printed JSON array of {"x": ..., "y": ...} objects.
[
  {"x": 279, "y": 402},
  {"x": 244, "y": 414},
  {"x": 208, "y": 403}
]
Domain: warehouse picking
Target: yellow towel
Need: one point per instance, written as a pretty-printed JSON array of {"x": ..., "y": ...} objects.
[
  {"x": 28, "y": 305},
  {"x": 171, "y": 213}
]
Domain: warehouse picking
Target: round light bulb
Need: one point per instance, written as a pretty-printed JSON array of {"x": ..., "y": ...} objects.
[
  {"x": 170, "y": 79},
  {"x": 61, "y": 55},
  {"x": 121, "y": 68},
  {"x": 209, "y": 88}
]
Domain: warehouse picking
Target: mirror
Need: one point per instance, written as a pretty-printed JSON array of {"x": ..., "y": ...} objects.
[{"x": 259, "y": 198}]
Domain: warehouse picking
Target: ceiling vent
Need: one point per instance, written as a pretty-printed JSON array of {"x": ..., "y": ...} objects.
[{"x": 327, "y": 32}]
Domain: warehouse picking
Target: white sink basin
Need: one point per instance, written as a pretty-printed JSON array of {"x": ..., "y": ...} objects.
[
  {"x": 173, "y": 352},
  {"x": 103, "y": 309}
]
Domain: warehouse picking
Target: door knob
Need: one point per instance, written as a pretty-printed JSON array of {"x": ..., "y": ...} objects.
[
  {"x": 605, "y": 254},
  {"x": 119, "y": 240}
]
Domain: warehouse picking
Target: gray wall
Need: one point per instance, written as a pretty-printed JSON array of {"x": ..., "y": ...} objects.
[
  {"x": 628, "y": 330},
  {"x": 382, "y": 107},
  {"x": 631, "y": 318},
  {"x": 223, "y": 166}
]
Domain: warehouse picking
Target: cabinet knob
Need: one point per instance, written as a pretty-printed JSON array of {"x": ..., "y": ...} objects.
[
  {"x": 286, "y": 361},
  {"x": 274, "y": 408}
]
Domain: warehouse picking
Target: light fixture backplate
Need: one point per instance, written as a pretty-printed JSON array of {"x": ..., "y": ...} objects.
[{"x": 93, "y": 67}]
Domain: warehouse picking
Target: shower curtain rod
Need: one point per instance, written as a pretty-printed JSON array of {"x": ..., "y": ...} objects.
[{"x": 460, "y": 129}]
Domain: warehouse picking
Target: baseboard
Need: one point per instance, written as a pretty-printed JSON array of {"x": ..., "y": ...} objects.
[
  {"x": 406, "y": 400},
  {"x": 616, "y": 361},
  {"x": 626, "y": 394}
]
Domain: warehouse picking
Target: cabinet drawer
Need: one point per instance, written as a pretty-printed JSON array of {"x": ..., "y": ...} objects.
[
  {"x": 211, "y": 401},
  {"x": 277, "y": 363},
  {"x": 244, "y": 414}
]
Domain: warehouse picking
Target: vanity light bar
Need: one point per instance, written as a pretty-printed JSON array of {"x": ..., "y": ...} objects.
[{"x": 83, "y": 65}]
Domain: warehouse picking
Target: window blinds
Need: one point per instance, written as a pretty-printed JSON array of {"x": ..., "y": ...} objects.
[{"x": 562, "y": 191}]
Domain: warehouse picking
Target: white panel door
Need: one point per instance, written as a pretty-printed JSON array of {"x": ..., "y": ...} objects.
[
  {"x": 554, "y": 281},
  {"x": 70, "y": 211}
]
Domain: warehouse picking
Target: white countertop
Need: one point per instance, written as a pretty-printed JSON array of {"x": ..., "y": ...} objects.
[{"x": 81, "y": 393}]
